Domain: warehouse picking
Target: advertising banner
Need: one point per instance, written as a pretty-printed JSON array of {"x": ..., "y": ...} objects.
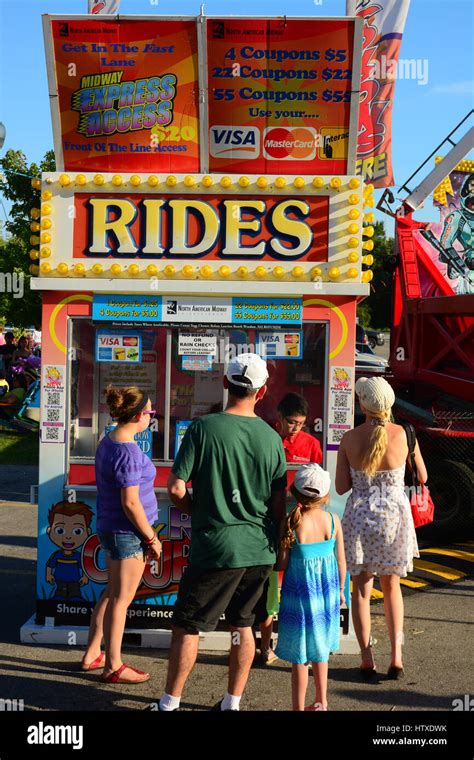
[
  {"x": 384, "y": 22},
  {"x": 124, "y": 93},
  {"x": 280, "y": 90}
]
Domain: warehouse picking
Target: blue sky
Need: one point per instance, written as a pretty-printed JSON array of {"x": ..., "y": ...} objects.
[{"x": 439, "y": 33}]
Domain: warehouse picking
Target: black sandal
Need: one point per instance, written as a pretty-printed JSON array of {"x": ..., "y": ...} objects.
[{"x": 395, "y": 674}]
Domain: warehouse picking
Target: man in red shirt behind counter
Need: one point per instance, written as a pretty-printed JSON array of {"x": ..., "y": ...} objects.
[{"x": 300, "y": 448}]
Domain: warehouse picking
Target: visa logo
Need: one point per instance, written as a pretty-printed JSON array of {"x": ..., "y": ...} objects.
[{"x": 231, "y": 142}]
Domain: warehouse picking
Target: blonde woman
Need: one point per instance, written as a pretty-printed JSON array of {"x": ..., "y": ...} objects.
[{"x": 378, "y": 527}]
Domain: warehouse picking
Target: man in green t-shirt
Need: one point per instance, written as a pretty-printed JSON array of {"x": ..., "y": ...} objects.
[{"x": 237, "y": 466}]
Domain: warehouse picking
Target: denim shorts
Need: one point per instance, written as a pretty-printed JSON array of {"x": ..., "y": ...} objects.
[{"x": 122, "y": 545}]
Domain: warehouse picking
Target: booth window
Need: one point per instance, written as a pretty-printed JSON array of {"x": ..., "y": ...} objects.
[{"x": 183, "y": 385}]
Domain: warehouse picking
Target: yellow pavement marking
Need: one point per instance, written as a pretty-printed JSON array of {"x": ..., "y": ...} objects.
[
  {"x": 16, "y": 504},
  {"x": 376, "y": 594},
  {"x": 468, "y": 556},
  {"x": 414, "y": 583},
  {"x": 444, "y": 572}
]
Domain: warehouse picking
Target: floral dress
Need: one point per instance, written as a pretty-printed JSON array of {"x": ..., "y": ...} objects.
[{"x": 379, "y": 534}]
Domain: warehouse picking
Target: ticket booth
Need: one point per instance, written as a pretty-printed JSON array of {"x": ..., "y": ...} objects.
[{"x": 158, "y": 279}]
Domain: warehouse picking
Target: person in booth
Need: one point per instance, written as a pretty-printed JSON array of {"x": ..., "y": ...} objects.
[{"x": 300, "y": 448}]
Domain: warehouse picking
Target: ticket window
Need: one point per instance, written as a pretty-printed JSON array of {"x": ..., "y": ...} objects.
[{"x": 184, "y": 385}]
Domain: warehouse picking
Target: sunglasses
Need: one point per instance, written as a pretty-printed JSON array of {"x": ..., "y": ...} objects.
[{"x": 151, "y": 412}]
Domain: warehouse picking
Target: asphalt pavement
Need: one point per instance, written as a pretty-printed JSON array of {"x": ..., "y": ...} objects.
[{"x": 438, "y": 652}]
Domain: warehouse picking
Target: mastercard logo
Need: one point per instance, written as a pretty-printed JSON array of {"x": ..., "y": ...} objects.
[{"x": 290, "y": 143}]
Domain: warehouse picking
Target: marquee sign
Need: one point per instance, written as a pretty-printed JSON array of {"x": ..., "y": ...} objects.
[{"x": 201, "y": 227}]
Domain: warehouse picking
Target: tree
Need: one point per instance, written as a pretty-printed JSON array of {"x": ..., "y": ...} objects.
[
  {"x": 376, "y": 310},
  {"x": 14, "y": 251}
]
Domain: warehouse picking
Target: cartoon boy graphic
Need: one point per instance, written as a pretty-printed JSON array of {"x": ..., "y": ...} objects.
[{"x": 69, "y": 528}]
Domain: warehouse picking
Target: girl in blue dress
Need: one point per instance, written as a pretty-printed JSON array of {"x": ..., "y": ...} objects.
[{"x": 312, "y": 556}]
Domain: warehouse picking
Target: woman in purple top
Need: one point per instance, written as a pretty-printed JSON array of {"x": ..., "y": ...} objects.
[{"x": 126, "y": 510}]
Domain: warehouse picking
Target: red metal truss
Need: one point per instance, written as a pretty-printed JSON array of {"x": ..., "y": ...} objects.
[{"x": 432, "y": 335}]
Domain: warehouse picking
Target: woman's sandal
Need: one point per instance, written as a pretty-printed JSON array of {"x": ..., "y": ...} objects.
[
  {"x": 395, "y": 674},
  {"x": 95, "y": 664},
  {"x": 116, "y": 676},
  {"x": 315, "y": 708},
  {"x": 368, "y": 672}
]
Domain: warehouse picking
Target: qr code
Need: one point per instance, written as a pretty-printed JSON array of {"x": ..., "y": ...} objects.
[
  {"x": 340, "y": 418},
  {"x": 53, "y": 415},
  {"x": 341, "y": 400},
  {"x": 337, "y": 435},
  {"x": 52, "y": 434},
  {"x": 54, "y": 398}
]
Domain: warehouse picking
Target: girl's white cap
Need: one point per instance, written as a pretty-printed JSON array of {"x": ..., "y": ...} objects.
[
  {"x": 375, "y": 394},
  {"x": 312, "y": 480}
]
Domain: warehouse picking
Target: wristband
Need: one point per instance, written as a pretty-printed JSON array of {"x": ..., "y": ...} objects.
[{"x": 149, "y": 541}]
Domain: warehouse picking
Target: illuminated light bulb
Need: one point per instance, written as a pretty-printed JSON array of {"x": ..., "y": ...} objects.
[
  {"x": 354, "y": 213},
  {"x": 117, "y": 180},
  {"x": 152, "y": 270},
  {"x": 135, "y": 180},
  {"x": 353, "y": 228},
  {"x": 316, "y": 272},
  {"x": 367, "y": 276},
  {"x": 369, "y": 189},
  {"x": 260, "y": 272},
  {"x": 35, "y": 227},
  {"x": 153, "y": 180},
  {"x": 45, "y": 237},
  {"x": 79, "y": 269},
  {"x": 206, "y": 271},
  {"x": 353, "y": 243},
  {"x": 34, "y": 269},
  {"x": 46, "y": 224},
  {"x": 207, "y": 181},
  {"x": 224, "y": 271},
  {"x": 46, "y": 209},
  {"x": 242, "y": 272},
  {"x": 299, "y": 182},
  {"x": 244, "y": 182},
  {"x": 133, "y": 270},
  {"x": 189, "y": 181},
  {"x": 368, "y": 245},
  {"x": 334, "y": 273},
  {"x": 46, "y": 195},
  {"x": 81, "y": 179},
  {"x": 225, "y": 181},
  {"x": 279, "y": 272},
  {"x": 45, "y": 267},
  {"x": 352, "y": 273},
  {"x": 115, "y": 270},
  {"x": 262, "y": 183},
  {"x": 97, "y": 269},
  {"x": 368, "y": 260},
  {"x": 354, "y": 183},
  {"x": 45, "y": 252},
  {"x": 62, "y": 268},
  {"x": 188, "y": 270},
  {"x": 34, "y": 254},
  {"x": 64, "y": 180},
  {"x": 370, "y": 217},
  {"x": 318, "y": 182},
  {"x": 280, "y": 182},
  {"x": 297, "y": 272},
  {"x": 171, "y": 180},
  {"x": 35, "y": 213},
  {"x": 98, "y": 179},
  {"x": 353, "y": 257},
  {"x": 368, "y": 231},
  {"x": 370, "y": 202},
  {"x": 169, "y": 270},
  {"x": 335, "y": 182},
  {"x": 34, "y": 240},
  {"x": 353, "y": 199},
  {"x": 36, "y": 184}
]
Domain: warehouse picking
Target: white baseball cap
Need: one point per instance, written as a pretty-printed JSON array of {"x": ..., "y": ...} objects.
[
  {"x": 375, "y": 394},
  {"x": 312, "y": 480},
  {"x": 248, "y": 371}
]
